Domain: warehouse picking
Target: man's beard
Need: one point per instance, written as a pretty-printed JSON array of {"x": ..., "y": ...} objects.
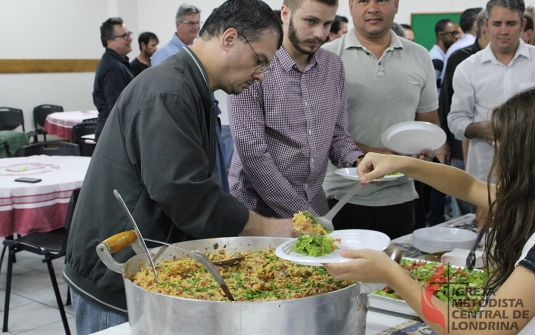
[{"x": 294, "y": 39}]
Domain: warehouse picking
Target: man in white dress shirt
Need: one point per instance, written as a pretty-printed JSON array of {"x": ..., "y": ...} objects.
[{"x": 487, "y": 79}]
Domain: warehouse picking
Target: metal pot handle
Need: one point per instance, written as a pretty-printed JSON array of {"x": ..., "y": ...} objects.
[{"x": 117, "y": 243}]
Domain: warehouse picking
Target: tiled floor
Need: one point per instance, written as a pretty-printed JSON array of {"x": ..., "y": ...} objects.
[{"x": 33, "y": 307}]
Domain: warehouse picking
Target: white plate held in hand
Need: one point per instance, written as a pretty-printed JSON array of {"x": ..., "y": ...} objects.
[
  {"x": 350, "y": 239},
  {"x": 351, "y": 174},
  {"x": 409, "y": 138}
]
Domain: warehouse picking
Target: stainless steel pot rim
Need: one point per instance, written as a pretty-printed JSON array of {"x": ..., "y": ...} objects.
[{"x": 245, "y": 303}]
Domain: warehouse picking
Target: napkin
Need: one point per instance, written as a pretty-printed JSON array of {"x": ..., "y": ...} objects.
[{"x": 458, "y": 256}]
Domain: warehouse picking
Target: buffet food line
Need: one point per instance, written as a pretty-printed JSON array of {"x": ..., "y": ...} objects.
[{"x": 347, "y": 310}]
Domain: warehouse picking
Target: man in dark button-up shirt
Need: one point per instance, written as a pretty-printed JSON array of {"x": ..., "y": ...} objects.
[{"x": 113, "y": 71}]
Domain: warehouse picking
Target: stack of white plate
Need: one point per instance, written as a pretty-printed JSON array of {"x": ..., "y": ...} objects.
[{"x": 437, "y": 239}]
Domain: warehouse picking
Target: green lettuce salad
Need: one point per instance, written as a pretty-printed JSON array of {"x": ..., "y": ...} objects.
[{"x": 316, "y": 245}]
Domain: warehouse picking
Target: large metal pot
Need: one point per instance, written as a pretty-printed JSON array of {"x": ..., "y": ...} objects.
[{"x": 339, "y": 312}]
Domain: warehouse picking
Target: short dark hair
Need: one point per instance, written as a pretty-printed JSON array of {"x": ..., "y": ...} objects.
[
  {"x": 513, "y": 5},
  {"x": 185, "y": 10},
  {"x": 145, "y": 37},
  {"x": 468, "y": 17},
  {"x": 441, "y": 25},
  {"x": 295, "y": 4},
  {"x": 249, "y": 17},
  {"x": 529, "y": 22},
  {"x": 406, "y": 26},
  {"x": 337, "y": 23},
  {"x": 106, "y": 29}
]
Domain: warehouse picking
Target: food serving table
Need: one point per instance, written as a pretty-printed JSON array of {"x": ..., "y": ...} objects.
[
  {"x": 60, "y": 123},
  {"x": 377, "y": 320},
  {"x": 41, "y": 206}
]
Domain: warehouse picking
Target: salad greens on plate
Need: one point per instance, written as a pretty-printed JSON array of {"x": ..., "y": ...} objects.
[{"x": 316, "y": 245}]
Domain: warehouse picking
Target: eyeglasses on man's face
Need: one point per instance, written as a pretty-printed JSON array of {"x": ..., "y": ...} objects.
[
  {"x": 125, "y": 36},
  {"x": 451, "y": 33},
  {"x": 262, "y": 67},
  {"x": 192, "y": 23}
]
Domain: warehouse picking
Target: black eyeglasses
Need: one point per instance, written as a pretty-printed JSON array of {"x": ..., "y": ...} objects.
[
  {"x": 125, "y": 36},
  {"x": 262, "y": 67},
  {"x": 451, "y": 33},
  {"x": 191, "y": 23}
]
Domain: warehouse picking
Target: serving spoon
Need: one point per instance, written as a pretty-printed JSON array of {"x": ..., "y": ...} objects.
[
  {"x": 224, "y": 262},
  {"x": 327, "y": 220},
  {"x": 198, "y": 256}
]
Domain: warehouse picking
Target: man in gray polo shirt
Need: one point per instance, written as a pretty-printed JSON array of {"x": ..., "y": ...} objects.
[{"x": 389, "y": 80}]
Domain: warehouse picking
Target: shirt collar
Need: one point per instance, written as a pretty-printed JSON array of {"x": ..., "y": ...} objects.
[
  {"x": 197, "y": 72},
  {"x": 352, "y": 41},
  {"x": 288, "y": 63},
  {"x": 521, "y": 51},
  {"x": 177, "y": 41},
  {"x": 116, "y": 55},
  {"x": 438, "y": 49}
]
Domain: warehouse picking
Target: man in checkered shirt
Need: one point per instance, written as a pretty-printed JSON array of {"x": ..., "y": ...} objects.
[{"x": 289, "y": 126}]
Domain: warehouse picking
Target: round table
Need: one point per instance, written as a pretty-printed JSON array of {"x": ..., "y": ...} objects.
[
  {"x": 60, "y": 123},
  {"x": 38, "y": 207}
]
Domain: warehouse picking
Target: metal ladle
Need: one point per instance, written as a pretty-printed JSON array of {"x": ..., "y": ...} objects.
[
  {"x": 198, "y": 256},
  {"x": 229, "y": 261},
  {"x": 138, "y": 233},
  {"x": 327, "y": 220}
]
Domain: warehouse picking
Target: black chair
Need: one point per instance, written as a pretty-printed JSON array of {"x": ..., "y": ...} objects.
[
  {"x": 50, "y": 149},
  {"x": 39, "y": 117},
  {"x": 87, "y": 146},
  {"x": 51, "y": 245},
  {"x": 11, "y": 118}
]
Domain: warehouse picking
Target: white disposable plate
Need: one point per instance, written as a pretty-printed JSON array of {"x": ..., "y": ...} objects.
[
  {"x": 351, "y": 174},
  {"x": 350, "y": 239},
  {"x": 435, "y": 239},
  {"x": 412, "y": 137}
]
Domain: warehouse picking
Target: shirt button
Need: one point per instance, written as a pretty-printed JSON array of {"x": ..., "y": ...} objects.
[
  {"x": 310, "y": 132},
  {"x": 305, "y": 103},
  {"x": 306, "y": 185},
  {"x": 312, "y": 160}
]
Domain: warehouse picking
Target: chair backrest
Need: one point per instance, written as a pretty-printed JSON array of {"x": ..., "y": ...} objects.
[
  {"x": 11, "y": 118},
  {"x": 81, "y": 129},
  {"x": 40, "y": 112},
  {"x": 70, "y": 209},
  {"x": 70, "y": 213},
  {"x": 50, "y": 149},
  {"x": 87, "y": 146}
]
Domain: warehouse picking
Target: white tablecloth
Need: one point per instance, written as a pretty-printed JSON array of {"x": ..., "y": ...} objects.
[
  {"x": 42, "y": 206},
  {"x": 61, "y": 123}
]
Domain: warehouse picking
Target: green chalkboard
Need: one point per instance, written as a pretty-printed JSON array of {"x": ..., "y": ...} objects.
[{"x": 423, "y": 26}]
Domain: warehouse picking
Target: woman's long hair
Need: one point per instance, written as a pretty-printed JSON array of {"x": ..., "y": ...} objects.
[{"x": 512, "y": 214}]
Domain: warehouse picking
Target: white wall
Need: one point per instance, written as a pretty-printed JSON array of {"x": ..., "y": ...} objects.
[{"x": 65, "y": 29}]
